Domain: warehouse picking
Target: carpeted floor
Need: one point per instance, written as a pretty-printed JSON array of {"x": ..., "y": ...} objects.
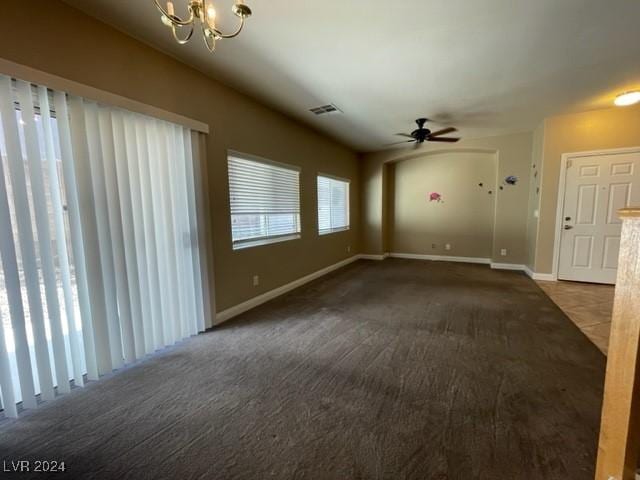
[{"x": 381, "y": 370}]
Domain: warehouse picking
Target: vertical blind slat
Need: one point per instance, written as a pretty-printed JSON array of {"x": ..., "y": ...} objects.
[
  {"x": 75, "y": 227},
  {"x": 27, "y": 241},
  {"x": 197, "y": 166},
  {"x": 163, "y": 325},
  {"x": 172, "y": 328},
  {"x": 130, "y": 253},
  {"x": 6, "y": 382},
  {"x": 96, "y": 162},
  {"x": 14, "y": 297},
  {"x": 61, "y": 244},
  {"x": 184, "y": 236},
  {"x": 158, "y": 300},
  {"x": 140, "y": 226},
  {"x": 193, "y": 230},
  {"x": 89, "y": 227},
  {"x": 116, "y": 235},
  {"x": 34, "y": 159},
  {"x": 176, "y": 220},
  {"x": 12, "y": 281}
]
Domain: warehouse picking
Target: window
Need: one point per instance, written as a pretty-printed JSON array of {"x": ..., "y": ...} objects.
[
  {"x": 265, "y": 201},
  {"x": 333, "y": 205}
]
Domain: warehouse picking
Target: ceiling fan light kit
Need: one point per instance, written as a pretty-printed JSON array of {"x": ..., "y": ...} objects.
[{"x": 203, "y": 13}]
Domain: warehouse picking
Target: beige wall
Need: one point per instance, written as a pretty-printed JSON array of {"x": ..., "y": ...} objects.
[
  {"x": 535, "y": 180},
  {"x": 55, "y": 38},
  {"x": 465, "y": 217},
  {"x": 596, "y": 130},
  {"x": 514, "y": 158}
]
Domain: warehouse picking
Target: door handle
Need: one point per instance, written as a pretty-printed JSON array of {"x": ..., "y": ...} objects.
[{"x": 568, "y": 227}]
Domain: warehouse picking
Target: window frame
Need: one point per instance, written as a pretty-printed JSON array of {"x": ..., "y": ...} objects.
[
  {"x": 348, "y": 204},
  {"x": 268, "y": 239}
]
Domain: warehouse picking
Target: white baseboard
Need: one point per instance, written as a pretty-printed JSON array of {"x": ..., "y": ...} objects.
[
  {"x": 276, "y": 292},
  {"x": 441, "y": 258},
  {"x": 366, "y": 256},
  {"x": 508, "y": 266},
  {"x": 498, "y": 266},
  {"x": 547, "y": 277},
  {"x": 528, "y": 271}
]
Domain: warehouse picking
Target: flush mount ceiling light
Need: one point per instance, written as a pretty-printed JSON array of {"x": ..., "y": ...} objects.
[
  {"x": 627, "y": 98},
  {"x": 204, "y": 13}
]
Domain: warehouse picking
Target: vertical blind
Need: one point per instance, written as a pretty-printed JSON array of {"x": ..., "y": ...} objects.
[
  {"x": 333, "y": 204},
  {"x": 265, "y": 201},
  {"x": 98, "y": 241}
]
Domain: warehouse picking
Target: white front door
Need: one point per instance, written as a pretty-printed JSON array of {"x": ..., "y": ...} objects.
[{"x": 596, "y": 187}]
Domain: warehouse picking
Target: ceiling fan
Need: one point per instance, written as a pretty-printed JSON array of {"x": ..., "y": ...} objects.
[{"x": 421, "y": 134}]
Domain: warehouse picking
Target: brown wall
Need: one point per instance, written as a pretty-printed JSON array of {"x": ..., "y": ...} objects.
[
  {"x": 55, "y": 38},
  {"x": 596, "y": 130},
  {"x": 464, "y": 218},
  {"x": 514, "y": 158}
]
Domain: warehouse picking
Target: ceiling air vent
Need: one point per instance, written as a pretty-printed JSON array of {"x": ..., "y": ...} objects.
[{"x": 325, "y": 110}]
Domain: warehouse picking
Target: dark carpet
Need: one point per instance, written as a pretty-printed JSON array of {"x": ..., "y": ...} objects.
[{"x": 381, "y": 370}]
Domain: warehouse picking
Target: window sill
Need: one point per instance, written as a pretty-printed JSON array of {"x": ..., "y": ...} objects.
[
  {"x": 333, "y": 230},
  {"x": 241, "y": 245}
]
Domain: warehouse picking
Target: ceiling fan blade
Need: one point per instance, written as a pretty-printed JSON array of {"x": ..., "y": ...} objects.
[
  {"x": 398, "y": 143},
  {"x": 404, "y": 135},
  {"x": 443, "y": 131},
  {"x": 442, "y": 139}
]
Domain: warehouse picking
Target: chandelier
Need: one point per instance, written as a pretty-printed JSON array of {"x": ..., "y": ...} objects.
[{"x": 205, "y": 14}]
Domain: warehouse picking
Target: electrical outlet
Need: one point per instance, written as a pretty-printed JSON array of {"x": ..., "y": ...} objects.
[
  {"x": 349, "y": 249},
  {"x": 256, "y": 280},
  {"x": 447, "y": 246},
  {"x": 433, "y": 245},
  {"x": 503, "y": 252}
]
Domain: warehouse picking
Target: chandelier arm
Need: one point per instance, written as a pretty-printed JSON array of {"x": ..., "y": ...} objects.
[
  {"x": 182, "y": 41},
  {"x": 175, "y": 20},
  {"x": 231, "y": 35},
  {"x": 209, "y": 38}
]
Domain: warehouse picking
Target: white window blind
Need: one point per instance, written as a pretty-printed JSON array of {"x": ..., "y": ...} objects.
[
  {"x": 100, "y": 259},
  {"x": 333, "y": 204},
  {"x": 265, "y": 201}
]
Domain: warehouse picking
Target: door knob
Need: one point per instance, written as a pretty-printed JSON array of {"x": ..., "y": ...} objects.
[{"x": 568, "y": 227}]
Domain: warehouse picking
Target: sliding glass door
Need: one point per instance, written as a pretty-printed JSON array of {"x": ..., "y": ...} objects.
[{"x": 99, "y": 246}]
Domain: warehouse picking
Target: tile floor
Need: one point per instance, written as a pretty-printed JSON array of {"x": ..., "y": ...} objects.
[{"x": 589, "y": 305}]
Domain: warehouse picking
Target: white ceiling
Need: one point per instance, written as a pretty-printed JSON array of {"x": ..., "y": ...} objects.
[{"x": 485, "y": 66}]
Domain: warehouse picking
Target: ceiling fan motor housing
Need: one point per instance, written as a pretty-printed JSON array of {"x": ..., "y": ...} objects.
[{"x": 421, "y": 133}]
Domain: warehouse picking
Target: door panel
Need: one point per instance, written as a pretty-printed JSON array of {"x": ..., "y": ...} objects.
[
  {"x": 619, "y": 197},
  {"x": 611, "y": 251},
  {"x": 587, "y": 201},
  {"x": 596, "y": 188},
  {"x": 582, "y": 251}
]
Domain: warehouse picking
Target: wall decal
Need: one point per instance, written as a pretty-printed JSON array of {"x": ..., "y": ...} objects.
[
  {"x": 435, "y": 197},
  {"x": 511, "y": 180}
]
